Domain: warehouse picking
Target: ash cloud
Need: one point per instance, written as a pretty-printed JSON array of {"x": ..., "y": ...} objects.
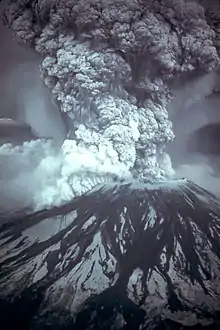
[{"x": 114, "y": 70}]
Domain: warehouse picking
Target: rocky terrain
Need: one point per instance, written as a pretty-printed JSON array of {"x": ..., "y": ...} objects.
[{"x": 129, "y": 256}]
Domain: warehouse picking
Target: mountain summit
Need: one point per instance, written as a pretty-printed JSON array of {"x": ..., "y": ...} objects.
[{"x": 129, "y": 256}]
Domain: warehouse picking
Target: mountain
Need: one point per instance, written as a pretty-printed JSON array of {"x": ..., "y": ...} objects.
[{"x": 126, "y": 256}]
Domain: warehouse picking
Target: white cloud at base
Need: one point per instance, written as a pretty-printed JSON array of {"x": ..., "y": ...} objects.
[
  {"x": 26, "y": 171},
  {"x": 38, "y": 174}
]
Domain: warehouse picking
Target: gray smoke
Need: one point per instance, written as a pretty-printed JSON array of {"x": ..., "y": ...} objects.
[{"x": 127, "y": 75}]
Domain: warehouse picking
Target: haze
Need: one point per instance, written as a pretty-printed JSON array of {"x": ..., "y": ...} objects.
[{"x": 195, "y": 106}]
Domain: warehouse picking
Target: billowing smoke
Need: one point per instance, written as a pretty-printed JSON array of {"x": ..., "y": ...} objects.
[
  {"x": 29, "y": 176},
  {"x": 120, "y": 72}
]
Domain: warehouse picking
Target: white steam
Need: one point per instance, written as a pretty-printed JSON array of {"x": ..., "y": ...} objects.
[
  {"x": 29, "y": 175},
  {"x": 37, "y": 174}
]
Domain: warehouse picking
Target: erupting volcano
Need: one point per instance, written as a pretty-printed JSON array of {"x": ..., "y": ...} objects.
[
  {"x": 111, "y": 103},
  {"x": 121, "y": 257}
]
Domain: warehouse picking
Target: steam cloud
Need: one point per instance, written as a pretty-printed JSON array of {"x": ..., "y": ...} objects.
[{"x": 121, "y": 74}]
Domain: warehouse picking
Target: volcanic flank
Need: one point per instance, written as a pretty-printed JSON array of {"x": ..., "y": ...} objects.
[{"x": 124, "y": 256}]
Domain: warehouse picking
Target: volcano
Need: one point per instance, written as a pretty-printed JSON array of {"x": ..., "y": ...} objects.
[{"x": 128, "y": 256}]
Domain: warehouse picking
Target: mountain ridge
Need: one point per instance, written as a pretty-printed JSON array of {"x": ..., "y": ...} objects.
[{"x": 119, "y": 257}]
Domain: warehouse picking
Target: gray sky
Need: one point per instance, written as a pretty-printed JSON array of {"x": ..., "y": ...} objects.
[
  {"x": 23, "y": 95},
  {"x": 193, "y": 107}
]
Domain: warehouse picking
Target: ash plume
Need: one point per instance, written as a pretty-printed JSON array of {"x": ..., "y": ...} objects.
[{"x": 113, "y": 69}]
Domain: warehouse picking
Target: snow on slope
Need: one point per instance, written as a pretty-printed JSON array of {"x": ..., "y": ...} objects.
[{"x": 121, "y": 249}]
